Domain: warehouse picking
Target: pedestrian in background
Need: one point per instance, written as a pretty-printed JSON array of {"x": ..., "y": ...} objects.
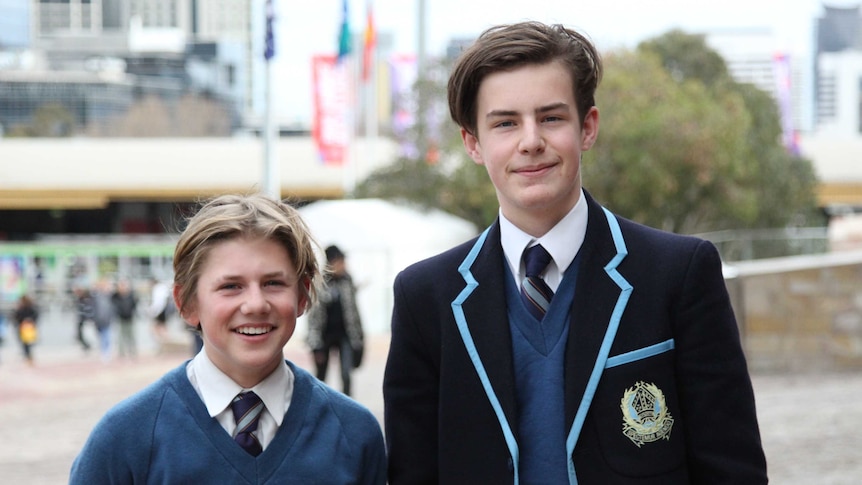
[
  {"x": 160, "y": 296},
  {"x": 238, "y": 412},
  {"x": 125, "y": 303},
  {"x": 2, "y": 322},
  {"x": 103, "y": 316},
  {"x": 334, "y": 323},
  {"x": 26, "y": 320},
  {"x": 83, "y": 313}
]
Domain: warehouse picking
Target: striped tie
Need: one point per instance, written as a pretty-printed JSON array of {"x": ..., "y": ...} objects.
[
  {"x": 535, "y": 293},
  {"x": 246, "y": 408}
]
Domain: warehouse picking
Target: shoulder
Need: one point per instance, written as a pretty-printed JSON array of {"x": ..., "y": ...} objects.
[
  {"x": 442, "y": 263},
  {"x": 111, "y": 449},
  {"x": 637, "y": 233},
  {"x": 142, "y": 406},
  {"x": 606, "y": 227},
  {"x": 665, "y": 256}
]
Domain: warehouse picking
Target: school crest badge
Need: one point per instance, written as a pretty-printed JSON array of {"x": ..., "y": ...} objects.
[{"x": 645, "y": 415}]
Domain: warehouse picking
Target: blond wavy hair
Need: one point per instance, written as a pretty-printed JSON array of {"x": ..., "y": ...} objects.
[{"x": 233, "y": 216}]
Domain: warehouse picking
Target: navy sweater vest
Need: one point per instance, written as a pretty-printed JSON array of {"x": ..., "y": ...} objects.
[{"x": 538, "y": 350}]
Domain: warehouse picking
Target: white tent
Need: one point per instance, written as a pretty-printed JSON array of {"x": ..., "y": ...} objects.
[{"x": 380, "y": 239}]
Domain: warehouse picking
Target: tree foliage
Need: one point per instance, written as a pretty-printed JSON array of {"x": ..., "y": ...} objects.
[
  {"x": 777, "y": 186},
  {"x": 49, "y": 120},
  {"x": 668, "y": 154}
]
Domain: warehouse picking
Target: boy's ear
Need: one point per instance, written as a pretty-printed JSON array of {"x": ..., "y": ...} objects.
[
  {"x": 190, "y": 315},
  {"x": 471, "y": 145},
  {"x": 304, "y": 299},
  {"x": 590, "y": 131}
]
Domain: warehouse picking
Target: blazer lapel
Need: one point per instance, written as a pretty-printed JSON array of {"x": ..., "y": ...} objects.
[
  {"x": 600, "y": 296},
  {"x": 485, "y": 314}
]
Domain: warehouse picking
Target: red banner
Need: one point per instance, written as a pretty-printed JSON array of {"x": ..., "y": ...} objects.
[{"x": 331, "y": 102}]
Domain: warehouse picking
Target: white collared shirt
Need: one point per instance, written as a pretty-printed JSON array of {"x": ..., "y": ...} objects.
[
  {"x": 217, "y": 390},
  {"x": 562, "y": 242}
]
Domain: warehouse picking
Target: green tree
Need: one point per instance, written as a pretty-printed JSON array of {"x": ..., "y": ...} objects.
[
  {"x": 49, "y": 120},
  {"x": 668, "y": 154},
  {"x": 781, "y": 185}
]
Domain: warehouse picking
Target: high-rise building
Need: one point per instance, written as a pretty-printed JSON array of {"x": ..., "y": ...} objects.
[
  {"x": 197, "y": 46},
  {"x": 838, "y": 68},
  {"x": 752, "y": 55},
  {"x": 839, "y": 29},
  {"x": 67, "y": 17}
]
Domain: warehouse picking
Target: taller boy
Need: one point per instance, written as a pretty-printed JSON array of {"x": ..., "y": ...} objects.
[{"x": 634, "y": 372}]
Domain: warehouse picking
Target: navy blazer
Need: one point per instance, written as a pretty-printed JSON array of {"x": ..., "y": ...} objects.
[{"x": 657, "y": 389}]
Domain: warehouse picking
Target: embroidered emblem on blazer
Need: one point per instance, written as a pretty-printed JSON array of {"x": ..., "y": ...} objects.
[{"x": 645, "y": 415}]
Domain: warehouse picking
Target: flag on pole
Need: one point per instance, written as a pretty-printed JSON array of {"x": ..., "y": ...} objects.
[
  {"x": 344, "y": 46},
  {"x": 331, "y": 101},
  {"x": 789, "y": 136},
  {"x": 370, "y": 45},
  {"x": 269, "y": 40}
]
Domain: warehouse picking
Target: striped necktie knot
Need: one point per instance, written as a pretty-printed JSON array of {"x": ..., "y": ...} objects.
[
  {"x": 247, "y": 408},
  {"x": 535, "y": 293}
]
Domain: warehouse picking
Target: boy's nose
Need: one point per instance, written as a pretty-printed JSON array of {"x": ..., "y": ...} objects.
[{"x": 532, "y": 141}]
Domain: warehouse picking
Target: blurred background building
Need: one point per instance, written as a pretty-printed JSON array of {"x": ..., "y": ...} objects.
[{"x": 190, "y": 74}]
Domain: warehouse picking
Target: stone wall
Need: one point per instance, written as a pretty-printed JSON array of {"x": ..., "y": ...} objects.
[{"x": 800, "y": 313}]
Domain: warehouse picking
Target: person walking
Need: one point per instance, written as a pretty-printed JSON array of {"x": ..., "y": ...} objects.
[
  {"x": 334, "y": 323},
  {"x": 160, "y": 295},
  {"x": 125, "y": 303},
  {"x": 565, "y": 344},
  {"x": 26, "y": 318},
  {"x": 83, "y": 314},
  {"x": 103, "y": 316}
]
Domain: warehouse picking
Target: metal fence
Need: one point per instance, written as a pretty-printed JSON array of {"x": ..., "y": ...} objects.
[{"x": 746, "y": 245}]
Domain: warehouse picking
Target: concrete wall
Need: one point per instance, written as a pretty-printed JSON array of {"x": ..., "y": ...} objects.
[{"x": 800, "y": 313}]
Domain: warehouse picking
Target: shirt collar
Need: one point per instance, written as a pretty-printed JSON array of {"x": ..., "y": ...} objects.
[
  {"x": 217, "y": 390},
  {"x": 562, "y": 242}
]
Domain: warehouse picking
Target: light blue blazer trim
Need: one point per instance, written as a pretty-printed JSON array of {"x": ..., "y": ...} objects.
[
  {"x": 610, "y": 334},
  {"x": 470, "y": 344},
  {"x": 639, "y": 354}
]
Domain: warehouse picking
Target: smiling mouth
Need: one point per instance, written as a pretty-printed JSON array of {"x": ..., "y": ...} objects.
[
  {"x": 253, "y": 330},
  {"x": 535, "y": 168}
]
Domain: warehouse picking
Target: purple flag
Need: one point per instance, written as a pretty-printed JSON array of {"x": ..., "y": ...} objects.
[{"x": 269, "y": 42}]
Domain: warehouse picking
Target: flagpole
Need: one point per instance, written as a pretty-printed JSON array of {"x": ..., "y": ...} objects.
[
  {"x": 271, "y": 171},
  {"x": 421, "y": 101},
  {"x": 370, "y": 79},
  {"x": 347, "y": 69},
  {"x": 371, "y": 115},
  {"x": 347, "y": 165}
]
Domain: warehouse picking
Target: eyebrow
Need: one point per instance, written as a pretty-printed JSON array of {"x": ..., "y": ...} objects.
[
  {"x": 497, "y": 113},
  {"x": 273, "y": 274}
]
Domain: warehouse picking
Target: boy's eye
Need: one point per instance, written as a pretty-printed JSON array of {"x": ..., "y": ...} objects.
[
  {"x": 229, "y": 286},
  {"x": 275, "y": 283}
]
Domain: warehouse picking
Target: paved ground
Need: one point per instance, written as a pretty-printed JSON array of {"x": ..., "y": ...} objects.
[{"x": 811, "y": 424}]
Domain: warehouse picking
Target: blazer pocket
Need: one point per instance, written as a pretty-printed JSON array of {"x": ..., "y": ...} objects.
[{"x": 636, "y": 413}]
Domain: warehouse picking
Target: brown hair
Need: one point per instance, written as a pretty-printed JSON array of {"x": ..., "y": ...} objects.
[
  {"x": 232, "y": 216},
  {"x": 507, "y": 47}
]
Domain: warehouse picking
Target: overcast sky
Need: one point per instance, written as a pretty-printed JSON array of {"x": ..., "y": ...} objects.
[{"x": 308, "y": 28}]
